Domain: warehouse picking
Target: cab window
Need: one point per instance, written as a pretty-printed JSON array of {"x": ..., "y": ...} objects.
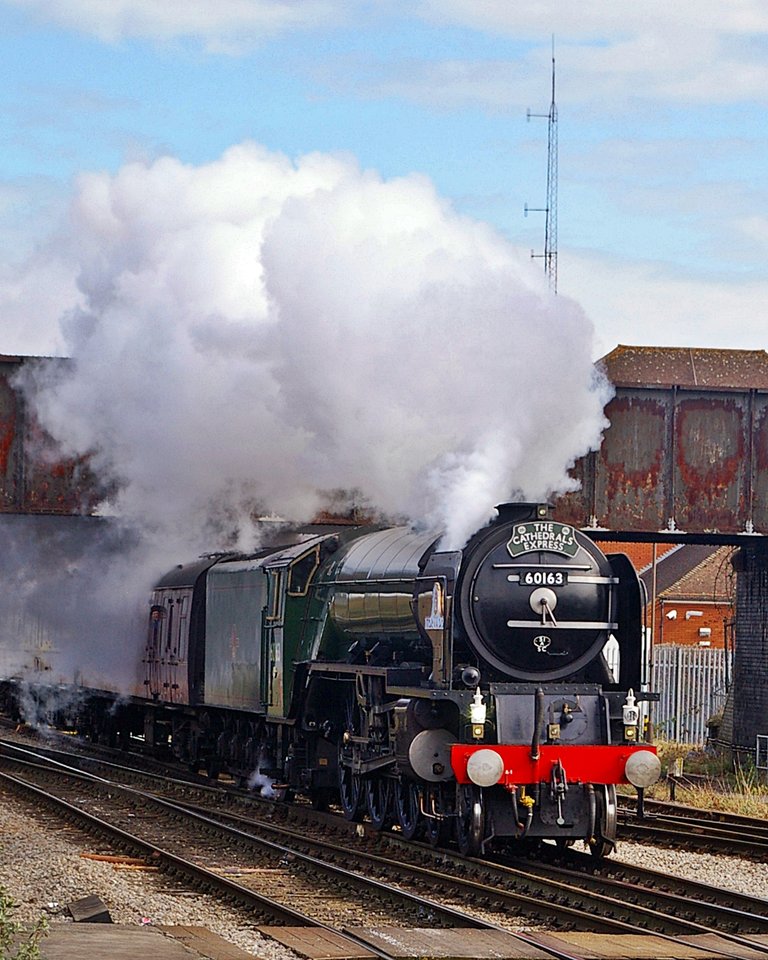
[
  {"x": 301, "y": 573},
  {"x": 275, "y": 601}
]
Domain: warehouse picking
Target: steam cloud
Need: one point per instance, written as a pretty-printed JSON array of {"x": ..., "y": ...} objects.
[{"x": 252, "y": 332}]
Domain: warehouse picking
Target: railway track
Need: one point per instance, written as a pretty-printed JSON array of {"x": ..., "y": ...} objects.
[
  {"x": 688, "y": 828},
  {"x": 692, "y": 909},
  {"x": 293, "y": 868},
  {"x": 638, "y": 880},
  {"x": 568, "y": 894},
  {"x": 179, "y": 840},
  {"x": 304, "y": 819}
]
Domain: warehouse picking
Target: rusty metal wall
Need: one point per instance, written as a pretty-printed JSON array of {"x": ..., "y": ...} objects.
[
  {"x": 676, "y": 458},
  {"x": 11, "y": 439},
  {"x": 673, "y": 458},
  {"x": 33, "y": 477}
]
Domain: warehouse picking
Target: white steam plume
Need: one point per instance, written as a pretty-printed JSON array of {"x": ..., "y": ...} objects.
[{"x": 252, "y": 332}]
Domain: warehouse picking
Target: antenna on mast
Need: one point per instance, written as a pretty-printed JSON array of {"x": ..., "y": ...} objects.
[{"x": 550, "y": 230}]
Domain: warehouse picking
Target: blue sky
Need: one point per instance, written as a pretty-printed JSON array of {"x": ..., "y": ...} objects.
[{"x": 663, "y": 180}]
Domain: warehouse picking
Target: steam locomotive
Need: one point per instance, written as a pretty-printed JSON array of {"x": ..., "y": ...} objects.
[{"x": 460, "y": 694}]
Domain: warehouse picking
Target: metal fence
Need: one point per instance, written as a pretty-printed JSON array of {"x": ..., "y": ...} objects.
[
  {"x": 691, "y": 682},
  {"x": 761, "y": 752}
]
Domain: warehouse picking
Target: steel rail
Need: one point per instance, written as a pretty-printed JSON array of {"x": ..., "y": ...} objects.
[
  {"x": 693, "y": 835},
  {"x": 668, "y": 808},
  {"x": 383, "y": 890},
  {"x": 158, "y": 856},
  {"x": 694, "y": 897},
  {"x": 580, "y": 865},
  {"x": 739, "y": 917}
]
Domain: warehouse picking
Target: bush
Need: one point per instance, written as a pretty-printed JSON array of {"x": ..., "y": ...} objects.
[{"x": 17, "y": 941}]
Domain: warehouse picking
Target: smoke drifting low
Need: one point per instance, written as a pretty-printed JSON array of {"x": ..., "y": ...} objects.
[{"x": 252, "y": 332}]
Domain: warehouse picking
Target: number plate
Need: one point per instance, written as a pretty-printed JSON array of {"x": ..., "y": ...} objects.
[{"x": 543, "y": 578}]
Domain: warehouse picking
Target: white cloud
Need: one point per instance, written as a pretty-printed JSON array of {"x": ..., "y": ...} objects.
[
  {"x": 37, "y": 276},
  {"x": 687, "y": 52},
  {"x": 223, "y": 25},
  {"x": 233, "y": 20},
  {"x": 754, "y": 229},
  {"x": 652, "y": 304},
  {"x": 648, "y": 68},
  {"x": 31, "y": 299},
  {"x": 595, "y": 18},
  {"x": 607, "y": 53}
]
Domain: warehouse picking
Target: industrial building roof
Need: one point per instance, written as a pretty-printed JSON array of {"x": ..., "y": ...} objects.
[{"x": 629, "y": 366}]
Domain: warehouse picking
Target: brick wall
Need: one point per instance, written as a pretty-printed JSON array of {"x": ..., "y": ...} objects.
[{"x": 685, "y": 629}]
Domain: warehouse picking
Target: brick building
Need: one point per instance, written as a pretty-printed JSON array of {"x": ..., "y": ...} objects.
[
  {"x": 690, "y": 588},
  {"x": 695, "y": 595}
]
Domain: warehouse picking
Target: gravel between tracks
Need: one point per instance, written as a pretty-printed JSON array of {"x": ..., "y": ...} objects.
[
  {"x": 742, "y": 876},
  {"x": 43, "y": 871}
]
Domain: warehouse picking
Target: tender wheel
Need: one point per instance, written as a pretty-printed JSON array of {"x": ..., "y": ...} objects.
[
  {"x": 408, "y": 808},
  {"x": 470, "y": 820},
  {"x": 378, "y": 800}
]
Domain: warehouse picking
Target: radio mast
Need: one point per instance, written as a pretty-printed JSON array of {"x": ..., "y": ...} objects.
[{"x": 550, "y": 230}]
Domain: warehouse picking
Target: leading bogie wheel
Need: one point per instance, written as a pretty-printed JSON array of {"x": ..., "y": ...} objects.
[
  {"x": 470, "y": 819},
  {"x": 604, "y": 841}
]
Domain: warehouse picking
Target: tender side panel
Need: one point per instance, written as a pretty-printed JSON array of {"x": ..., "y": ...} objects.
[{"x": 235, "y": 598}]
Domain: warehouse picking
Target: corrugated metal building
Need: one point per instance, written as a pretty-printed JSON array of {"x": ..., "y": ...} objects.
[
  {"x": 687, "y": 448},
  {"x": 34, "y": 476}
]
